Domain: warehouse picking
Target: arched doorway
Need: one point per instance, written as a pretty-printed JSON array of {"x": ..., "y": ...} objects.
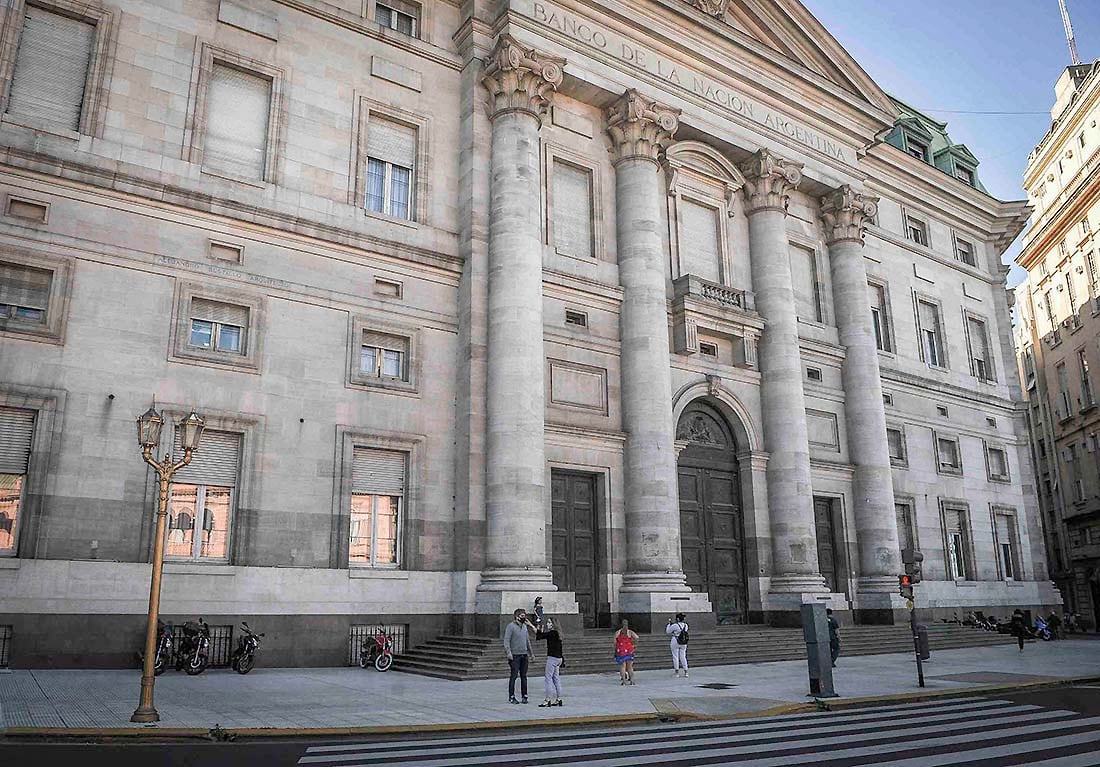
[{"x": 711, "y": 523}]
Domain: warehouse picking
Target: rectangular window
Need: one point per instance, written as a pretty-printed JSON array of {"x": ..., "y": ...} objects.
[
  {"x": 398, "y": 15},
  {"x": 981, "y": 361},
  {"x": 947, "y": 455},
  {"x": 880, "y": 317},
  {"x": 1008, "y": 557},
  {"x": 51, "y": 68},
  {"x": 391, "y": 161},
  {"x": 238, "y": 107},
  {"x": 1085, "y": 227},
  {"x": 572, "y": 210},
  {"x": 964, "y": 251},
  {"x": 916, "y": 148},
  {"x": 895, "y": 441},
  {"x": 1029, "y": 364},
  {"x": 907, "y": 538},
  {"x": 931, "y": 333},
  {"x": 957, "y": 539},
  {"x": 1081, "y": 139},
  {"x": 377, "y": 497},
  {"x": 807, "y": 291},
  {"x": 997, "y": 461},
  {"x": 1066, "y": 406},
  {"x": 1048, "y": 306},
  {"x": 1071, "y": 293},
  {"x": 916, "y": 230},
  {"x": 1092, "y": 273},
  {"x": 24, "y": 293},
  {"x": 1042, "y": 443},
  {"x": 708, "y": 349},
  {"x": 573, "y": 317},
  {"x": 964, "y": 174},
  {"x": 16, "y": 436},
  {"x": 217, "y": 326},
  {"x": 1087, "y": 398},
  {"x": 700, "y": 245},
  {"x": 200, "y": 507},
  {"x": 384, "y": 356}
]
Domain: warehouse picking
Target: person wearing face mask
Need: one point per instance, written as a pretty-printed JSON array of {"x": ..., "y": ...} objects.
[
  {"x": 555, "y": 659},
  {"x": 517, "y": 646}
]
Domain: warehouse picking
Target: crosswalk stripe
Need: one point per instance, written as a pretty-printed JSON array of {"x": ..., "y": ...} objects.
[
  {"x": 707, "y": 746},
  {"x": 604, "y": 743},
  {"x": 1086, "y": 759},
  {"x": 749, "y": 724},
  {"x": 989, "y": 752}
]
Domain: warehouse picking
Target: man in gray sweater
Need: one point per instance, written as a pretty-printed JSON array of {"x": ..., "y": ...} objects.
[{"x": 517, "y": 646}]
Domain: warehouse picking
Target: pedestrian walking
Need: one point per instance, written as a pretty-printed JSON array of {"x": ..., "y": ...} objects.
[
  {"x": 1055, "y": 625},
  {"x": 537, "y": 611},
  {"x": 555, "y": 659},
  {"x": 834, "y": 635},
  {"x": 626, "y": 643},
  {"x": 1019, "y": 627},
  {"x": 517, "y": 646},
  {"x": 678, "y": 645}
]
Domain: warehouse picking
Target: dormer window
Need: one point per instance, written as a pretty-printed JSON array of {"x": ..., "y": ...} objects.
[
  {"x": 917, "y": 148},
  {"x": 964, "y": 174}
]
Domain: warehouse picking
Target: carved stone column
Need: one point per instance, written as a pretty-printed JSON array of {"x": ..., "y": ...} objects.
[
  {"x": 520, "y": 83},
  {"x": 768, "y": 180},
  {"x": 639, "y": 129},
  {"x": 845, "y": 214}
]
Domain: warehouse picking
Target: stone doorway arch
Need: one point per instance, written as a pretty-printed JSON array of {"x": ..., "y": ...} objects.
[{"x": 712, "y": 529}]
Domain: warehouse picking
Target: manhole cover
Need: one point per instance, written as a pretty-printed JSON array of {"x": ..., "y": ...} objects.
[{"x": 717, "y": 686}]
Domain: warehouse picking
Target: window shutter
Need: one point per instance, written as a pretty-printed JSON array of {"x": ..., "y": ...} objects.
[
  {"x": 237, "y": 109},
  {"x": 409, "y": 9},
  {"x": 572, "y": 210},
  {"x": 16, "y": 433},
  {"x": 392, "y": 142},
  {"x": 385, "y": 341},
  {"x": 377, "y": 472},
  {"x": 804, "y": 282},
  {"x": 1004, "y": 528},
  {"x": 699, "y": 242},
  {"x": 25, "y": 286},
  {"x": 214, "y": 463},
  {"x": 216, "y": 311},
  {"x": 51, "y": 68}
]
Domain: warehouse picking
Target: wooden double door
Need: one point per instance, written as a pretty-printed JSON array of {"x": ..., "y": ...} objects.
[{"x": 574, "y": 538}]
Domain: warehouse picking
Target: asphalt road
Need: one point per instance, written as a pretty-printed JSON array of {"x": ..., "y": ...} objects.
[{"x": 1056, "y": 727}]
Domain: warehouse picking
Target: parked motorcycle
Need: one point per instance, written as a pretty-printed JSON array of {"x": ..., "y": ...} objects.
[
  {"x": 377, "y": 650},
  {"x": 1042, "y": 630},
  {"x": 164, "y": 648},
  {"x": 244, "y": 657},
  {"x": 193, "y": 652}
]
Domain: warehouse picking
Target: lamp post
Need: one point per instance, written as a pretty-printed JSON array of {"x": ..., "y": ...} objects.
[{"x": 149, "y": 427}]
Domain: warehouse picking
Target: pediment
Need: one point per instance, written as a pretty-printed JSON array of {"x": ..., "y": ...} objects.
[{"x": 788, "y": 28}]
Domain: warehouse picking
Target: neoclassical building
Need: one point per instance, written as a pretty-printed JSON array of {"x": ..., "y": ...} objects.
[{"x": 644, "y": 307}]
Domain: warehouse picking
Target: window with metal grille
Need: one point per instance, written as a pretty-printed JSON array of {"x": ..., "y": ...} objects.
[
  {"x": 16, "y": 438},
  {"x": 391, "y": 161},
  {"x": 51, "y": 68},
  {"x": 221, "y": 644},
  {"x": 377, "y": 498},
  {"x": 397, "y": 633},
  {"x": 238, "y": 110},
  {"x": 218, "y": 326},
  {"x": 200, "y": 505},
  {"x": 24, "y": 293},
  {"x": 5, "y": 646}
]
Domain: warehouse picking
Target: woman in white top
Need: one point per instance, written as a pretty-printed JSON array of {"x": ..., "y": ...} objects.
[{"x": 678, "y": 629}]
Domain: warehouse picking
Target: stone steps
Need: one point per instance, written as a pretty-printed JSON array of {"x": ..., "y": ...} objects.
[{"x": 455, "y": 657}]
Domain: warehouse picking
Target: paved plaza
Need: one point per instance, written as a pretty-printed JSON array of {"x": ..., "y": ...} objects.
[{"x": 354, "y": 698}]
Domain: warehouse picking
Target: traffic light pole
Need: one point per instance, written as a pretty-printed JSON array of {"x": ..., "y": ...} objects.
[{"x": 916, "y": 643}]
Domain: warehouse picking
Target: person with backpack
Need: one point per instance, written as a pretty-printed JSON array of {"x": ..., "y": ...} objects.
[
  {"x": 625, "y": 646},
  {"x": 555, "y": 659},
  {"x": 679, "y": 631}
]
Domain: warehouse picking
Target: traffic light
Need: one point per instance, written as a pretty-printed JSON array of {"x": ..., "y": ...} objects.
[
  {"x": 905, "y": 586},
  {"x": 912, "y": 559}
]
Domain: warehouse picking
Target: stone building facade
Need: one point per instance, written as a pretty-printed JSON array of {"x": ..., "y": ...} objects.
[
  {"x": 1058, "y": 336},
  {"x": 643, "y": 307}
]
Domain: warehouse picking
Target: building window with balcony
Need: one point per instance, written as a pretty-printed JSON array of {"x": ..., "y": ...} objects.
[
  {"x": 930, "y": 330},
  {"x": 916, "y": 230},
  {"x": 1087, "y": 398},
  {"x": 880, "y": 316},
  {"x": 377, "y": 501},
  {"x": 16, "y": 438},
  {"x": 981, "y": 358},
  {"x": 200, "y": 507},
  {"x": 948, "y": 455}
]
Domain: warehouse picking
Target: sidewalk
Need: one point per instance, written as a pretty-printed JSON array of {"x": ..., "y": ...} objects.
[{"x": 354, "y": 698}]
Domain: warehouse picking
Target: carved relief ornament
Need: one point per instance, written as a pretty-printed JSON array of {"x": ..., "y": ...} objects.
[
  {"x": 715, "y": 8},
  {"x": 640, "y": 127},
  {"x": 768, "y": 181},
  {"x": 846, "y": 214},
  {"x": 520, "y": 79}
]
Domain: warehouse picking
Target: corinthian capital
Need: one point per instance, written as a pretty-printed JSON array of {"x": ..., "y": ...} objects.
[
  {"x": 846, "y": 214},
  {"x": 639, "y": 126},
  {"x": 768, "y": 180},
  {"x": 520, "y": 79}
]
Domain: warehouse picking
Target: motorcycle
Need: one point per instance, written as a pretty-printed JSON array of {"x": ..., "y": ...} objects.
[
  {"x": 164, "y": 648},
  {"x": 1042, "y": 630},
  {"x": 193, "y": 652},
  {"x": 377, "y": 650},
  {"x": 244, "y": 657}
]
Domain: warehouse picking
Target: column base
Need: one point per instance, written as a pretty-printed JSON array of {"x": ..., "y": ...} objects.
[
  {"x": 503, "y": 591},
  {"x": 648, "y": 600},
  {"x": 782, "y": 605},
  {"x": 879, "y": 602}
]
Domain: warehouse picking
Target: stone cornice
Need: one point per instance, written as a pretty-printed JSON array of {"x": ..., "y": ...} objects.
[
  {"x": 768, "y": 181},
  {"x": 521, "y": 79},
  {"x": 640, "y": 127},
  {"x": 846, "y": 214}
]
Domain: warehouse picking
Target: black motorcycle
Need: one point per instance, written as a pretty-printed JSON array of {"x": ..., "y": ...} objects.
[
  {"x": 244, "y": 657},
  {"x": 164, "y": 648},
  {"x": 193, "y": 651}
]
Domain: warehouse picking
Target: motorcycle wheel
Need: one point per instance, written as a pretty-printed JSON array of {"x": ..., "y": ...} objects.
[
  {"x": 383, "y": 662},
  {"x": 364, "y": 660},
  {"x": 160, "y": 665},
  {"x": 245, "y": 664},
  {"x": 196, "y": 665}
]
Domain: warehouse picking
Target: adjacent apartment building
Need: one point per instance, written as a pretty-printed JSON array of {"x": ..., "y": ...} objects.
[
  {"x": 1058, "y": 335},
  {"x": 644, "y": 306}
]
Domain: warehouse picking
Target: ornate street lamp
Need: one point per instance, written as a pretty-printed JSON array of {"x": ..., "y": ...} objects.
[{"x": 149, "y": 427}]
